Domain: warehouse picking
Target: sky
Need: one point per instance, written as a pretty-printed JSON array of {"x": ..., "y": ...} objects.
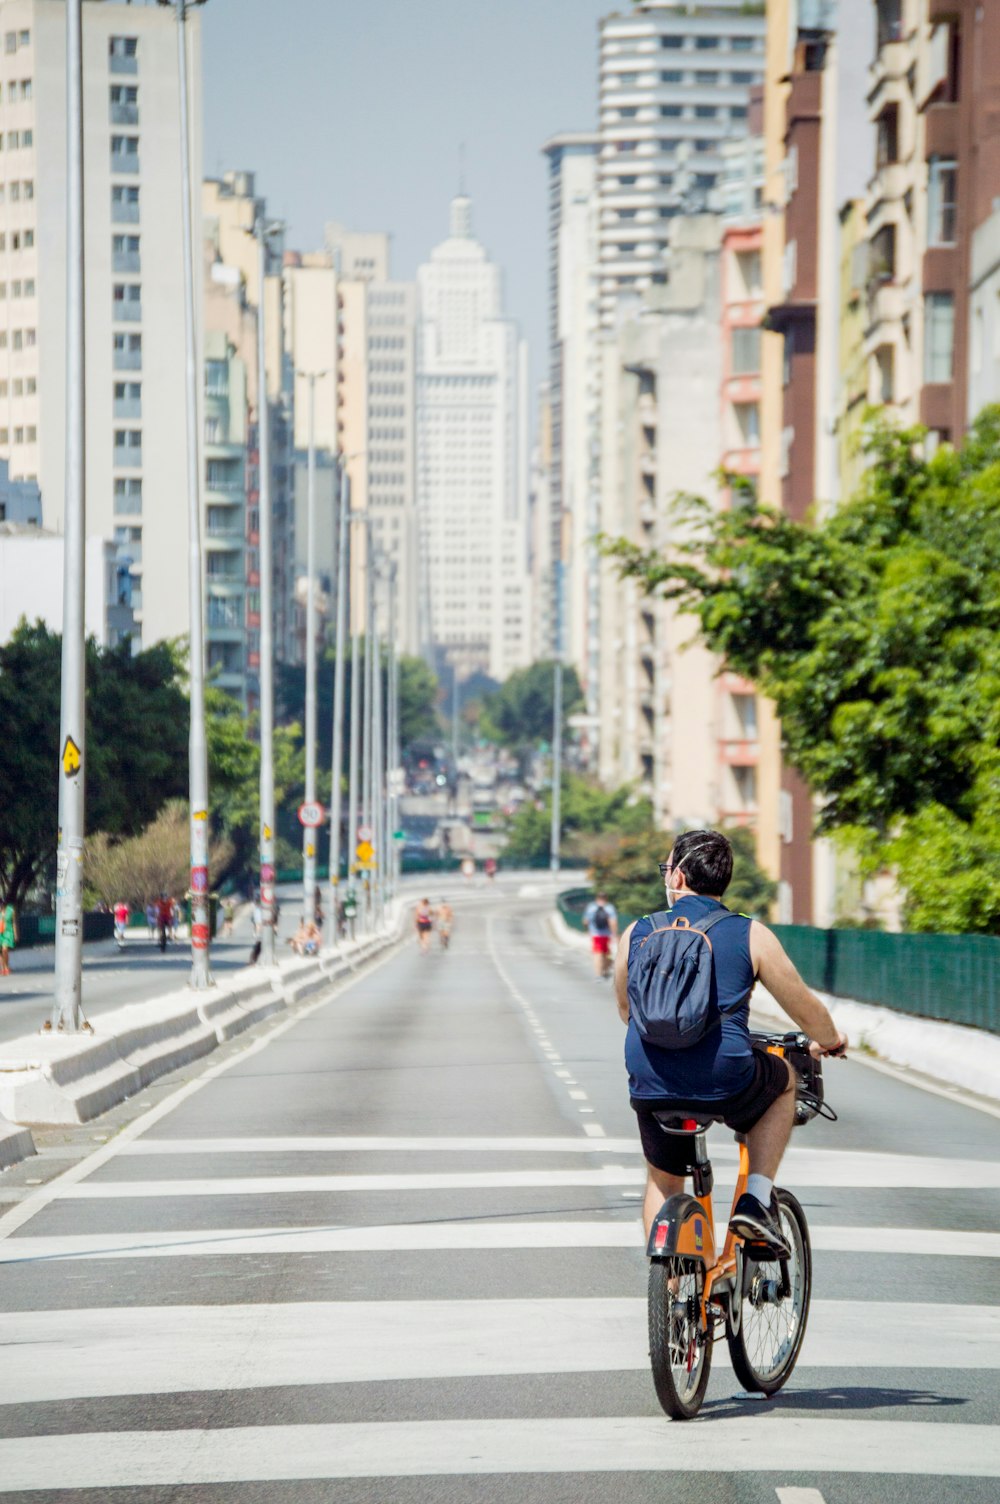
[{"x": 358, "y": 112}]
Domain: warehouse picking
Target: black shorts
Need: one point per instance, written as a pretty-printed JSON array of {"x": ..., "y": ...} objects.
[{"x": 671, "y": 1152}]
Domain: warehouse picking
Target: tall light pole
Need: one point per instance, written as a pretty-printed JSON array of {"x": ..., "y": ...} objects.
[
  {"x": 198, "y": 742},
  {"x": 267, "y": 873},
  {"x": 352, "y": 776},
  {"x": 554, "y": 834},
  {"x": 392, "y": 748},
  {"x": 308, "y": 832},
  {"x": 337, "y": 759},
  {"x": 369, "y": 720},
  {"x": 69, "y": 860}
]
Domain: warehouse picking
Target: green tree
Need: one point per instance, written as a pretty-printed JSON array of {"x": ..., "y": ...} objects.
[
  {"x": 234, "y": 781},
  {"x": 136, "y": 747},
  {"x": 418, "y": 693},
  {"x": 877, "y": 634},
  {"x": 519, "y": 713},
  {"x": 586, "y": 811}
]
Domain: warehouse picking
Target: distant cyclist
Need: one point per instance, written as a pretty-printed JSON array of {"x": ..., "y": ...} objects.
[
  {"x": 601, "y": 919},
  {"x": 444, "y": 919},
  {"x": 723, "y": 1074}
]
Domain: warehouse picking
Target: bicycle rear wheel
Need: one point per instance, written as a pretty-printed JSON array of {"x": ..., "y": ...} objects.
[
  {"x": 680, "y": 1353},
  {"x": 765, "y": 1347}
]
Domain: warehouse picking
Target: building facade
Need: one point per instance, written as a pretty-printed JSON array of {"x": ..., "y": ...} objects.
[
  {"x": 471, "y": 461},
  {"x": 675, "y": 81},
  {"x": 136, "y": 475}
]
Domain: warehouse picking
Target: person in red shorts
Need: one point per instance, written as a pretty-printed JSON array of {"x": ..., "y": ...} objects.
[{"x": 601, "y": 920}]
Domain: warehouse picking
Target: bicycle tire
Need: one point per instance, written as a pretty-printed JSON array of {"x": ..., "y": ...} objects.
[
  {"x": 765, "y": 1347},
  {"x": 680, "y": 1354}
]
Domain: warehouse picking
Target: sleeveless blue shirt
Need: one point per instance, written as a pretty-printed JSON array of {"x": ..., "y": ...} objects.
[{"x": 722, "y": 1062}]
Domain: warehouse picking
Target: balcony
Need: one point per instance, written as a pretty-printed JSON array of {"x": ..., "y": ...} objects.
[
  {"x": 126, "y": 313},
  {"x": 648, "y": 414},
  {"x": 885, "y": 304},
  {"x": 231, "y": 530},
  {"x": 125, "y": 163},
  {"x": 117, "y": 63},
  {"x": 124, "y": 214},
  {"x": 127, "y": 360},
  {"x": 127, "y": 407},
  {"x": 126, "y": 457},
  {"x": 123, "y": 114},
  {"x": 126, "y": 261},
  {"x": 227, "y": 490},
  {"x": 739, "y": 752},
  {"x": 941, "y": 138}
]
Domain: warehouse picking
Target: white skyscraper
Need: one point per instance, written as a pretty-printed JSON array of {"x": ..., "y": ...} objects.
[
  {"x": 135, "y": 376},
  {"x": 471, "y": 461}
]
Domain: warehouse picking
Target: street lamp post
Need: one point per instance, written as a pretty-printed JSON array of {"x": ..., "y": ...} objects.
[
  {"x": 69, "y": 860},
  {"x": 198, "y": 741},
  {"x": 267, "y": 872},
  {"x": 337, "y": 759},
  {"x": 369, "y": 720},
  {"x": 352, "y": 776},
  {"x": 308, "y": 832},
  {"x": 554, "y": 834}
]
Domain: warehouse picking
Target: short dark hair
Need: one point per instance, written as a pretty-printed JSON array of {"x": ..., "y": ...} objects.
[{"x": 707, "y": 859}]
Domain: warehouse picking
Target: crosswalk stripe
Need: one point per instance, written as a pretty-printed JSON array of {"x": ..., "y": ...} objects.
[
  {"x": 801, "y": 1168},
  {"x": 453, "y": 1447},
  {"x": 363, "y": 1144},
  {"x": 458, "y": 1236},
  {"x": 161, "y": 1349}
]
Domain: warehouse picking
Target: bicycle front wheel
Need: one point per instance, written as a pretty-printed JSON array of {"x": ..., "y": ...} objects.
[
  {"x": 680, "y": 1352},
  {"x": 765, "y": 1347}
]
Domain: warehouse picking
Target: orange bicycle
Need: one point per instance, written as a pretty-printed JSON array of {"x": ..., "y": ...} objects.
[{"x": 759, "y": 1300}]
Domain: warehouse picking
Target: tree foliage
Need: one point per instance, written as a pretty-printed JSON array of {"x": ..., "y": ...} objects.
[
  {"x": 141, "y": 867},
  {"x": 586, "y": 811},
  {"x": 418, "y": 694},
  {"x": 234, "y": 781},
  {"x": 519, "y": 713},
  {"x": 136, "y": 745},
  {"x": 877, "y": 634},
  {"x": 625, "y": 867}
]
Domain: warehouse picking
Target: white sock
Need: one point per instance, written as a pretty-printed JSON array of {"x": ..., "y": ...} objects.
[{"x": 761, "y": 1187}]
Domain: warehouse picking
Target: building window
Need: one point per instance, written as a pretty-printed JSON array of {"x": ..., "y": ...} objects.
[
  {"x": 787, "y": 362},
  {"x": 942, "y": 202},
  {"x": 742, "y": 44},
  {"x": 747, "y": 415},
  {"x": 939, "y": 336},
  {"x": 741, "y": 78},
  {"x": 628, "y": 113},
  {"x": 706, "y": 44},
  {"x": 705, "y": 111},
  {"x": 671, "y": 111},
  {"x": 746, "y": 352},
  {"x": 128, "y": 495},
  {"x": 889, "y": 21},
  {"x": 887, "y": 136},
  {"x": 216, "y": 378},
  {"x": 25, "y": 91},
  {"x": 885, "y": 362},
  {"x": 673, "y": 44},
  {"x": 706, "y": 76},
  {"x": 672, "y": 76}
]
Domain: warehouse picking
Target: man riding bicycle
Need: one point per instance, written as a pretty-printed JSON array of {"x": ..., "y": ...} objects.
[{"x": 723, "y": 1075}]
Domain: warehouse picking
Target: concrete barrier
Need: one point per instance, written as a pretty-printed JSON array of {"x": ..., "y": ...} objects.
[{"x": 60, "y": 1078}]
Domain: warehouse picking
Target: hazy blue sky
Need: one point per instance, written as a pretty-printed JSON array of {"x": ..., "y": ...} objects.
[{"x": 355, "y": 112}]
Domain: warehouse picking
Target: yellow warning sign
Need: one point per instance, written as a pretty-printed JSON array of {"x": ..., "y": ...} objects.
[
  {"x": 310, "y": 851},
  {"x": 71, "y": 758},
  {"x": 200, "y": 814},
  {"x": 365, "y": 851},
  {"x": 266, "y": 833}
]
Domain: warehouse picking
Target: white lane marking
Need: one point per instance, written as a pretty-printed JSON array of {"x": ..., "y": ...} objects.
[
  {"x": 277, "y": 1185},
  {"x": 467, "y": 1144},
  {"x": 594, "y": 1130},
  {"x": 46, "y": 1194},
  {"x": 246, "y": 1454},
  {"x": 799, "y": 1496},
  {"x": 415, "y": 1236},
  {"x": 159, "y": 1349},
  {"x": 578, "y": 1096},
  {"x": 800, "y": 1169}
]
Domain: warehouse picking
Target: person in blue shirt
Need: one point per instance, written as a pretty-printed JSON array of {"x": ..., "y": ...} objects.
[{"x": 723, "y": 1075}]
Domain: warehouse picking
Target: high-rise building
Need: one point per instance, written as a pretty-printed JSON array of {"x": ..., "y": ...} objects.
[
  {"x": 136, "y": 475},
  {"x": 471, "y": 461},
  {"x": 675, "y": 81},
  {"x": 574, "y": 401}
]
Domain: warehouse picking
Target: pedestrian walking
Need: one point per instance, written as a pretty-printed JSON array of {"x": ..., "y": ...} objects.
[
  {"x": 423, "y": 920},
  {"x": 9, "y": 936},
  {"x": 228, "y": 911},
  {"x": 601, "y": 919},
  {"x": 121, "y": 913}
]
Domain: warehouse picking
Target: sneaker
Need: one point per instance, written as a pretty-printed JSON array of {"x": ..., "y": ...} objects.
[{"x": 758, "y": 1223}]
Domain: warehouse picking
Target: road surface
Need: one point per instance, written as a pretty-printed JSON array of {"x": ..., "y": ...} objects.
[{"x": 390, "y": 1251}]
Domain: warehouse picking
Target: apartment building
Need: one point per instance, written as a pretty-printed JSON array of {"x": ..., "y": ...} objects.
[
  {"x": 472, "y": 460},
  {"x": 32, "y": 565},
  {"x": 136, "y": 476},
  {"x": 675, "y": 81},
  {"x": 661, "y": 434}
]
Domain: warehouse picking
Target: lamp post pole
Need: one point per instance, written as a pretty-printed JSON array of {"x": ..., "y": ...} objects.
[
  {"x": 369, "y": 721},
  {"x": 267, "y": 872},
  {"x": 309, "y": 834},
  {"x": 69, "y": 860},
  {"x": 198, "y": 742},
  {"x": 554, "y": 834},
  {"x": 337, "y": 758}
]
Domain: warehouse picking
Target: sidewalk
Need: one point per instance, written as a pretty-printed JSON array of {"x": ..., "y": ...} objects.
[{"x": 951, "y": 1054}]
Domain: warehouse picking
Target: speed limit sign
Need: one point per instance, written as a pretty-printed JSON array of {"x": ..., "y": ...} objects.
[{"x": 311, "y": 815}]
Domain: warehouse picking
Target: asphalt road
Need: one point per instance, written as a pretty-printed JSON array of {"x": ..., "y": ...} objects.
[{"x": 390, "y": 1251}]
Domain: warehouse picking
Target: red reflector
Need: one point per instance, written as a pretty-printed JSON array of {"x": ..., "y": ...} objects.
[
  {"x": 661, "y": 1235},
  {"x": 689, "y": 1124}
]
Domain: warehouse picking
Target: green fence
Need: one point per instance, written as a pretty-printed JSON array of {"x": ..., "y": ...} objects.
[
  {"x": 950, "y": 977},
  {"x": 40, "y": 929}
]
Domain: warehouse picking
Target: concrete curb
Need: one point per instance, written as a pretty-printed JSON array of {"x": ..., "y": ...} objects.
[
  {"x": 948, "y": 1053},
  {"x": 54, "y": 1078}
]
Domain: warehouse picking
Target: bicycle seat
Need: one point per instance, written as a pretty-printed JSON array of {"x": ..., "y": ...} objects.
[{"x": 685, "y": 1122}]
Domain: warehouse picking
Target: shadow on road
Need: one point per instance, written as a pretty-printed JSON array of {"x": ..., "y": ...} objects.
[{"x": 833, "y": 1400}]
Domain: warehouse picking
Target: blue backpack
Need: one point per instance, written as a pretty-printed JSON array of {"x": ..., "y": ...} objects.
[{"x": 670, "y": 982}]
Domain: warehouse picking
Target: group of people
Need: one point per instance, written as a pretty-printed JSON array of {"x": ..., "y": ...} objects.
[
  {"x": 163, "y": 916},
  {"x": 426, "y": 919}
]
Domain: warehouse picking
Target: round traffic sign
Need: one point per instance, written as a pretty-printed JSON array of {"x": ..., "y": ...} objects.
[
  {"x": 311, "y": 815},
  {"x": 365, "y": 833}
]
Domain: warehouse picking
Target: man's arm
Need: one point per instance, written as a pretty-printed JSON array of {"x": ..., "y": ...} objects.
[
  {"x": 621, "y": 974},
  {"x": 783, "y": 982}
]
